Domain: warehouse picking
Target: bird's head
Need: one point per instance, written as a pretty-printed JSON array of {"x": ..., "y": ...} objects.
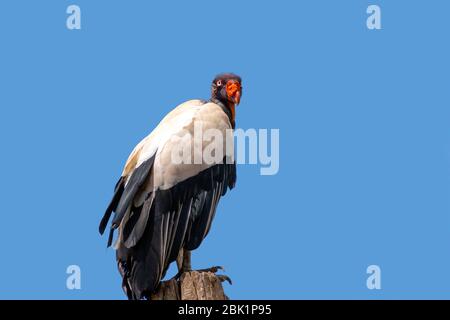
[{"x": 227, "y": 88}]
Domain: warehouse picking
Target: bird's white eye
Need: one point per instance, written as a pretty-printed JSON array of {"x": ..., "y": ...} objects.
[{"x": 219, "y": 83}]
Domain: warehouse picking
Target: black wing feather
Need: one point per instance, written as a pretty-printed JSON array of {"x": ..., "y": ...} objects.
[
  {"x": 112, "y": 205},
  {"x": 179, "y": 217},
  {"x": 135, "y": 182}
]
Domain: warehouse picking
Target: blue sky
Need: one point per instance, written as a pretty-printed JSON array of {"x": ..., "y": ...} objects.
[{"x": 364, "y": 140}]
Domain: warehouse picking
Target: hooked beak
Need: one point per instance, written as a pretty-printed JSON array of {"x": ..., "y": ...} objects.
[
  {"x": 236, "y": 98},
  {"x": 234, "y": 91}
]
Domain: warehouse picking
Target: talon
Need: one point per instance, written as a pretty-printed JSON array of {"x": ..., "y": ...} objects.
[
  {"x": 214, "y": 269},
  {"x": 224, "y": 278}
]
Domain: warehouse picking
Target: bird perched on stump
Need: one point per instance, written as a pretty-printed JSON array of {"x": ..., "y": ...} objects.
[{"x": 167, "y": 195}]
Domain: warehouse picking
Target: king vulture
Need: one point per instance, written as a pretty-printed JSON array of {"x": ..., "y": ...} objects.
[{"x": 163, "y": 209}]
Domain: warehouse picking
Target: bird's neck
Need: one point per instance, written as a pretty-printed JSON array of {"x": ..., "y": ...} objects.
[
  {"x": 232, "y": 108},
  {"x": 228, "y": 107}
]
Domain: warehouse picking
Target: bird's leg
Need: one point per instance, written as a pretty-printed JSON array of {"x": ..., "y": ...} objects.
[
  {"x": 184, "y": 265},
  {"x": 183, "y": 262}
]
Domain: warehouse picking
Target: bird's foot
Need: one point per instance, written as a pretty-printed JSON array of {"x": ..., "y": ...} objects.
[{"x": 214, "y": 270}]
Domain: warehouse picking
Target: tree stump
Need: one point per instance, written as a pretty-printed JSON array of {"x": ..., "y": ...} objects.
[{"x": 192, "y": 285}]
